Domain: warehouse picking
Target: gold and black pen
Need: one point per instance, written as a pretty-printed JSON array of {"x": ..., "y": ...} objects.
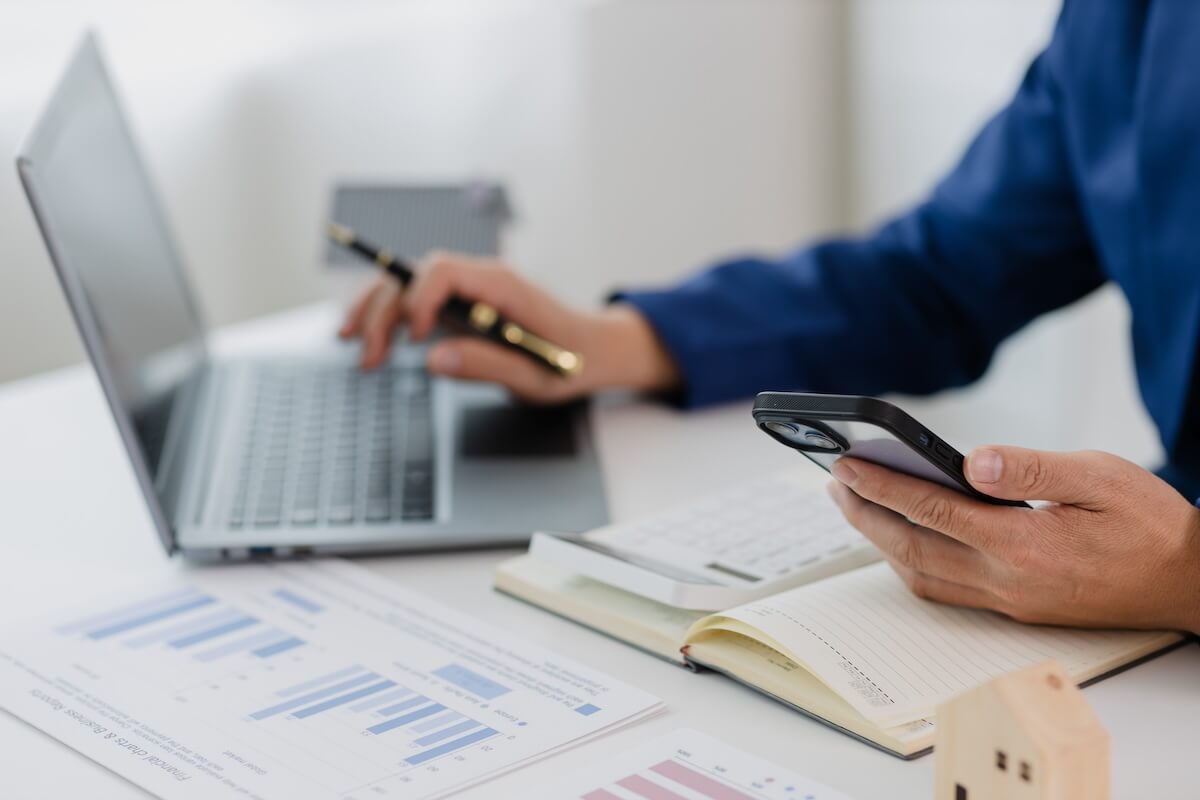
[{"x": 475, "y": 317}]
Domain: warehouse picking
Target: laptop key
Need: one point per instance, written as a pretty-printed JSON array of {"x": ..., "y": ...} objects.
[
  {"x": 378, "y": 511},
  {"x": 304, "y": 516},
  {"x": 341, "y": 514}
]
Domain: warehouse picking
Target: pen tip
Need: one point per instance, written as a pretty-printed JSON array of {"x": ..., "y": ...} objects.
[{"x": 340, "y": 233}]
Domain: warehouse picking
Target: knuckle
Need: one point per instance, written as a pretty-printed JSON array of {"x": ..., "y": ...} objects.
[
  {"x": 1109, "y": 474},
  {"x": 907, "y": 551},
  {"x": 1020, "y": 614},
  {"x": 934, "y": 511},
  {"x": 852, "y": 511},
  {"x": 438, "y": 265},
  {"x": 1031, "y": 474},
  {"x": 920, "y": 586},
  {"x": 1012, "y": 597},
  {"x": 1020, "y": 557}
]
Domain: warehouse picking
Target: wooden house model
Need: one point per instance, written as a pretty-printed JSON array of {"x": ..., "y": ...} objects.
[{"x": 1028, "y": 735}]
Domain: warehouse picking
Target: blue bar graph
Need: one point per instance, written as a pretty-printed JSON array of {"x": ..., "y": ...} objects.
[
  {"x": 343, "y": 699},
  {"x": 471, "y": 682},
  {"x": 400, "y": 722},
  {"x": 315, "y": 682},
  {"x": 453, "y": 730},
  {"x": 587, "y": 709},
  {"x": 243, "y": 644},
  {"x": 287, "y": 595},
  {"x": 312, "y": 697},
  {"x": 213, "y": 632},
  {"x": 128, "y": 611},
  {"x": 450, "y": 747},
  {"x": 437, "y": 722},
  {"x": 183, "y": 628},
  {"x": 278, "y": 647},
  {"x": 386, "y": 697},
  {"x": 412, "y": 702},
  {"x": 152, "y": 616}
]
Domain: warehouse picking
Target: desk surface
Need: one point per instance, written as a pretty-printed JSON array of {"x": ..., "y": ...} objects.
[{"x": 74, "y": 525}]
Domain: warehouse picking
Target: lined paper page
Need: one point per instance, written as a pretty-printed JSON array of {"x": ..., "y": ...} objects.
[{"x": 895, "y": 657}]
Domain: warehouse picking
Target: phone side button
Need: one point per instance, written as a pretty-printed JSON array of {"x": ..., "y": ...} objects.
[{"x": 942, "y": 451}]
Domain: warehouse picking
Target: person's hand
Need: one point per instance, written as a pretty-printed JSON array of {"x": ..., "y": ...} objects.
[
  {"x": 1116, "y": 547},
  {"x": 618, "y": 346}
]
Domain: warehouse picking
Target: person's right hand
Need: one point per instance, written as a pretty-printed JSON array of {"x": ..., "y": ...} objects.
[{"x": 617, "y": 344}]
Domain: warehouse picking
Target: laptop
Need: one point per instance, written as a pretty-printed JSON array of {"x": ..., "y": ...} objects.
[{"x": 286, "y": 455}]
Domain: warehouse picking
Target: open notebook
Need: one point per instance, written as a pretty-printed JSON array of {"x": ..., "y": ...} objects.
[{"x": 855, "y": 650}]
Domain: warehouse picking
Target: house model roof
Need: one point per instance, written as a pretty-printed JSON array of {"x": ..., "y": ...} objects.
[{"x": 1048, "y": 706}]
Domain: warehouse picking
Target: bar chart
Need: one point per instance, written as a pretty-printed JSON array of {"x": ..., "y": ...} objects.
[
  {"x": 194, "y": 623},
  {"x": 687, "y": 765},
  {"x": 423, "y": 728}
]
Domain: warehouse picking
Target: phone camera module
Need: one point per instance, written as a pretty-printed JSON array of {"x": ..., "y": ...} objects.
[
  {"x": 805, "y": 436},
  {"x": 818, "y": 439}
]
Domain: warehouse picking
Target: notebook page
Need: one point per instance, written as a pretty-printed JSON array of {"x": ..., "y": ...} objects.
[{"x": 895, "y": 657}]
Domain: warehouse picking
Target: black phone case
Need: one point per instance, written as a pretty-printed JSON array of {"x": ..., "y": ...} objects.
[{"x": 808, "y": 407}]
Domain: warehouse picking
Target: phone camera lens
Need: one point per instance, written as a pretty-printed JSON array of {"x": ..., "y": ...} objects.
[
  {"x": 785, "y": 429},
  {"x": 818, "y": 439}
]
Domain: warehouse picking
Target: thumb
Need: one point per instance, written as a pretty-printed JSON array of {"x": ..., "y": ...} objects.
[{"x": 1016, "y": 473}]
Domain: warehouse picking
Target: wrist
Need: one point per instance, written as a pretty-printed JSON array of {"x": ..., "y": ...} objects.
[
  {"x": 1190, "y": 585},
  {"x": 625, "y": 352}
]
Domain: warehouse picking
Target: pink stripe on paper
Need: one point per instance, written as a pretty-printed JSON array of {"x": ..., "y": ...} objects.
[
  {"x": 686, "y": 776},
  {"x": 647, "y": 789},
  {"x": 600, "y": 794}
]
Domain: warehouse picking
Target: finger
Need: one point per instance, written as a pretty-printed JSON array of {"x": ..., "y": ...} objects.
[
  {"x": 941, "y": 590},
  {"x": 1016, "y": 473},
  {"x": 443, "y": 276},
  {"x": 474, "y": 359},
  {"x": 914, "y": 547},
  {"x": 352, "y": 325},
  {"x": 380, "y": 321},
  {"x": 982, "y": 526}
]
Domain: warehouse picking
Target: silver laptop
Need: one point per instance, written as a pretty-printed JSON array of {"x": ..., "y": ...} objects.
[{"x": 285, "y": 455}]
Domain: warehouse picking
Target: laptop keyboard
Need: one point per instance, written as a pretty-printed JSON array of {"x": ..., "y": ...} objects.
[{"x": 337, "y": 446}]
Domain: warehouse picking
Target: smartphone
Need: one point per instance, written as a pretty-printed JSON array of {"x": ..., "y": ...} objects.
[{"x": 825, "y": 427}]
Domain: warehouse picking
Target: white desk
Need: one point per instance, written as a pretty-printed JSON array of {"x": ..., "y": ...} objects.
[{"x": 74, "y": 525}]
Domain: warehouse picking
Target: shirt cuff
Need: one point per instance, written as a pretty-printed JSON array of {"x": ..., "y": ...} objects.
[{"x": 705, "y": 377}]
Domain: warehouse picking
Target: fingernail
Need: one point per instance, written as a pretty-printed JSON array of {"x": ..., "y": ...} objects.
[
  {"x": 844, "y": 473},
  {"x": 444, "y": 360},
  {"x": 984, "y": 466}
]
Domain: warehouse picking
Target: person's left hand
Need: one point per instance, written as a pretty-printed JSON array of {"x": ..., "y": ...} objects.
[{"x": 1117, "y": 547}]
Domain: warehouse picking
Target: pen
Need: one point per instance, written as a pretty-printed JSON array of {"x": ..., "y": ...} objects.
[{"x": 477, "y": 317}]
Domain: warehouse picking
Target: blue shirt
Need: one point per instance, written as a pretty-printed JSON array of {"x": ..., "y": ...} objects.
[{"x": 1091, "y": 174}]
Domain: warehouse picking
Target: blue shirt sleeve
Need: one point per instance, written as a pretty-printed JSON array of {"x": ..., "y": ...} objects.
[{"x": 918, "y": 306}]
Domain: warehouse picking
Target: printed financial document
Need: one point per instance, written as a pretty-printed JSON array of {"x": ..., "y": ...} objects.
[
  {"x": 687, "y": 765},
  {"x": 297, "y": 680}
]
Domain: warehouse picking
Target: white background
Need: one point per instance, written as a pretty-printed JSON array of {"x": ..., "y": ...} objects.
[{"x": 641, "y": 140}]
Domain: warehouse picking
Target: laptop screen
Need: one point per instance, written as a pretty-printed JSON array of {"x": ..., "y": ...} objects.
[{"x": 114, "y": 253}]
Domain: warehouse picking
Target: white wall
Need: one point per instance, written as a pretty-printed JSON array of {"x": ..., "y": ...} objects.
[{"x": 599, "y": 115}]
